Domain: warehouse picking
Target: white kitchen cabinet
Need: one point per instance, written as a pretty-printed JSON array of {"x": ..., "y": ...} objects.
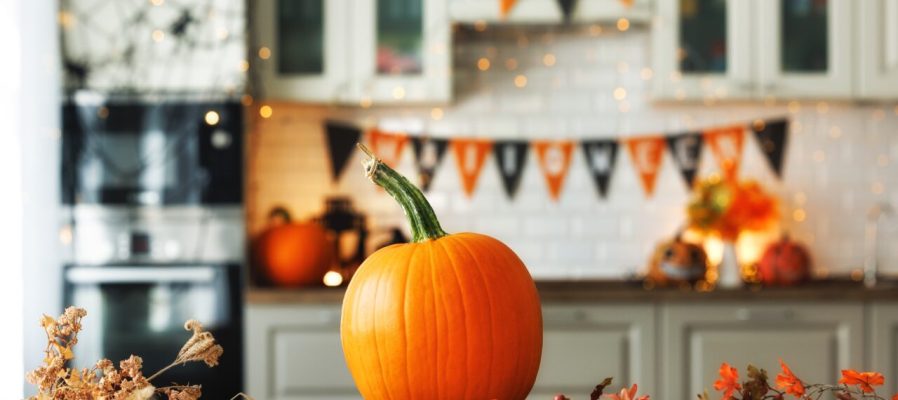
[
  {"x": 816, "y": 340},
  {"x": 293, "y": 352},
  {"x": 732, "y": 49},
  {"x": 548, "y": 11},
  {"x": 702, "y": 49},
  {"x": 583, "y": 344},
  {"x": 882, "y": 343},
  {"x": 804, "y": 48},
  {"x": 878, "y": 49},
  {"x": 356, "y": 52},
  {"x": 301, "y": 49},
  {"x": 403, "y": 52}
]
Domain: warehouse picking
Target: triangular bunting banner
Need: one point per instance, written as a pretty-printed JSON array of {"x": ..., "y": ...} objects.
[
  {"x": 387, "y": 146},
  {"x": 567, "y": 8},
  {"x": 505, "y": 7},
  {"x": 686, "y": 150},
  {"x": 646, "y": 154},
  {"x": 511, "y": 157},
  {"x": 470, "y": 155},
  {"x": 772, "y": 137},
  {"x": 341, "y": 141},
  {"x": 428, "y": 154},
  {"x": 600, "y": 158},
  {"x": 554, "y": 160},
  {"x": 726, "y": 144}
]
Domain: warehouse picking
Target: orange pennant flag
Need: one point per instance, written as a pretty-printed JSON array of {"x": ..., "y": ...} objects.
[
  {"x": 646, "y": 154},
  {"x": 470, "y": 155},
  {"x": 505, "y": 7},
  {"x": 554, "y": 160},
  {"x": 387, "y": 146},
  {"x": 726, "y": 144}
]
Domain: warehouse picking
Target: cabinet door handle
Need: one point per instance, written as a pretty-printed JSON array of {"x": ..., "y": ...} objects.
[{"x": 745, "y": 314}]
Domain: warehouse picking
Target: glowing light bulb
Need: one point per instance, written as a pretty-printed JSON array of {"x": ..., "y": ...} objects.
[
  {"x": 212, "y": 117},
  {"x": 332, "y": 279},
  {"x": 266, "y": 111}
]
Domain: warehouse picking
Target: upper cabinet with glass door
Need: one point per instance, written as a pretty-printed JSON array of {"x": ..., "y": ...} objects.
[
  {"x": 302, "y": 51},
  {"x": 736, "y": 49},
  {"x": 357, "y": 52},
  {"x": 401, "y": 51},
  {"x": 701, "y": 49},
  {"x": 804, "y": 48}
]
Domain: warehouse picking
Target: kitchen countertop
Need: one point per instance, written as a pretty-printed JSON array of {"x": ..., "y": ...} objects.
[{"x": 628, "y": 291}]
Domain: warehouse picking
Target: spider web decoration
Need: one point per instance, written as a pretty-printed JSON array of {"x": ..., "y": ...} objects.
[{"x": 154, "y": 46}]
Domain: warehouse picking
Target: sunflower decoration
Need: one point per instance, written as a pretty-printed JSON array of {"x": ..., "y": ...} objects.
[{"x": 727, "y": 208}]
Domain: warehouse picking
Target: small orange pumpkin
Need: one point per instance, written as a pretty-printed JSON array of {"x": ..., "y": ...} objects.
[
  {"x": 677, "y": 262},
  {"x": 293, "y": 254},
  {"x": 442, "y": 317},
  {"x": 784, "y": 263}
]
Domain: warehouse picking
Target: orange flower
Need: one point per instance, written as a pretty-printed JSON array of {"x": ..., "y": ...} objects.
[
  {"x": 627, "y": 395},
  {"x": 895, "y": 397},
  {"x": 788, "y": 381},
  {"x": 863, "y": 380},
  {"x": 728, "y": 382}
]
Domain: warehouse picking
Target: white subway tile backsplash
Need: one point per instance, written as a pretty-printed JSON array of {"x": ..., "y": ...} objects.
[{"x": 838, "y": 163}]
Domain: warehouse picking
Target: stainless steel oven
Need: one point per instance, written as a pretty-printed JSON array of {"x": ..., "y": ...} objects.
[{"x": 141, "y": 309}]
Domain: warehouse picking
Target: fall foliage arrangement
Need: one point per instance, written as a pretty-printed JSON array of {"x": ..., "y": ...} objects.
[
  {"x": 726, "y": 208},
  {"x": 56, "y": 381},
  {"x": 853, "y": 385}
]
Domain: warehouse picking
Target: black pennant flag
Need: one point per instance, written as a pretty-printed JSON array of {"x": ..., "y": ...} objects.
[
  {"x": 511, "y": 156},
  {"x": 600, "y": 157},
  {"x": 686, "y": 150},
  {"x": 567, "y": 8},
  {"x": 428, "y": 154},
  {"x": 772, "y": 137},
  {"x": 341, "y": 141}
]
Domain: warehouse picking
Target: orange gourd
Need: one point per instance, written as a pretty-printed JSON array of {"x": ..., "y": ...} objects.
[
  {"x": 293, "y": 254},
  {"x": 785, "y": 263},
  {"x": 443, "y": 317}
]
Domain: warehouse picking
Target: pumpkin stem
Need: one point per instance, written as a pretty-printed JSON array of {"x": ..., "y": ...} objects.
[{"x": 421, "y": 217}]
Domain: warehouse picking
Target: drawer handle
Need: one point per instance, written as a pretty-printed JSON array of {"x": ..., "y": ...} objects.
[{"x": 744, "y": 314}]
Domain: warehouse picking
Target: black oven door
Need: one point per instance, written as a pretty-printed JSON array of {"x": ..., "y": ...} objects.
[
  {"x": 141, "y": 310},
  {"x": 144, "y": 153}
]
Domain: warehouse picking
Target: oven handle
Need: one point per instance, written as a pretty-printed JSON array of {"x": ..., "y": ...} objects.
[{"x": 97, "y": 275}]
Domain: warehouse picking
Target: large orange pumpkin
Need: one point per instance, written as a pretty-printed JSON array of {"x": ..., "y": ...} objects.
[
  {"x": 443, "y": 317},
  {"x": 293, "y": 254}
]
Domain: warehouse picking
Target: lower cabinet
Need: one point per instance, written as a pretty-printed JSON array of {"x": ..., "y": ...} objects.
[
  {"x": 882, "y": 343},
  {"x": 816, "y": 340},
  {"x": 583, "y": 344},
  {"x": 672, "y": 350},
  {"x": 293, "y": 352}
]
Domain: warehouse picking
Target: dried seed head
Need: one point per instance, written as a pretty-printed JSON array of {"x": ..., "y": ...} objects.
[{"x": 200, "y": 347}]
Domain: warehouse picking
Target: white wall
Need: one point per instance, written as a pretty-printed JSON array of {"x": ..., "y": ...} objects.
[
  {"x": 11, "y": 367},
  {"x": 841, "y": 159},
  {"x": 39, "y": 140}
]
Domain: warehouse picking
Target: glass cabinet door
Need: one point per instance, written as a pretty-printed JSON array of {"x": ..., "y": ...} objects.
[
  {"x": 401, "y": 54},
  {"x": 701, "y": 49},
  {"x": 804, "y": 47},
  {"x": 400, "y": 37},
  {"x": 301, "y": 49}
]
